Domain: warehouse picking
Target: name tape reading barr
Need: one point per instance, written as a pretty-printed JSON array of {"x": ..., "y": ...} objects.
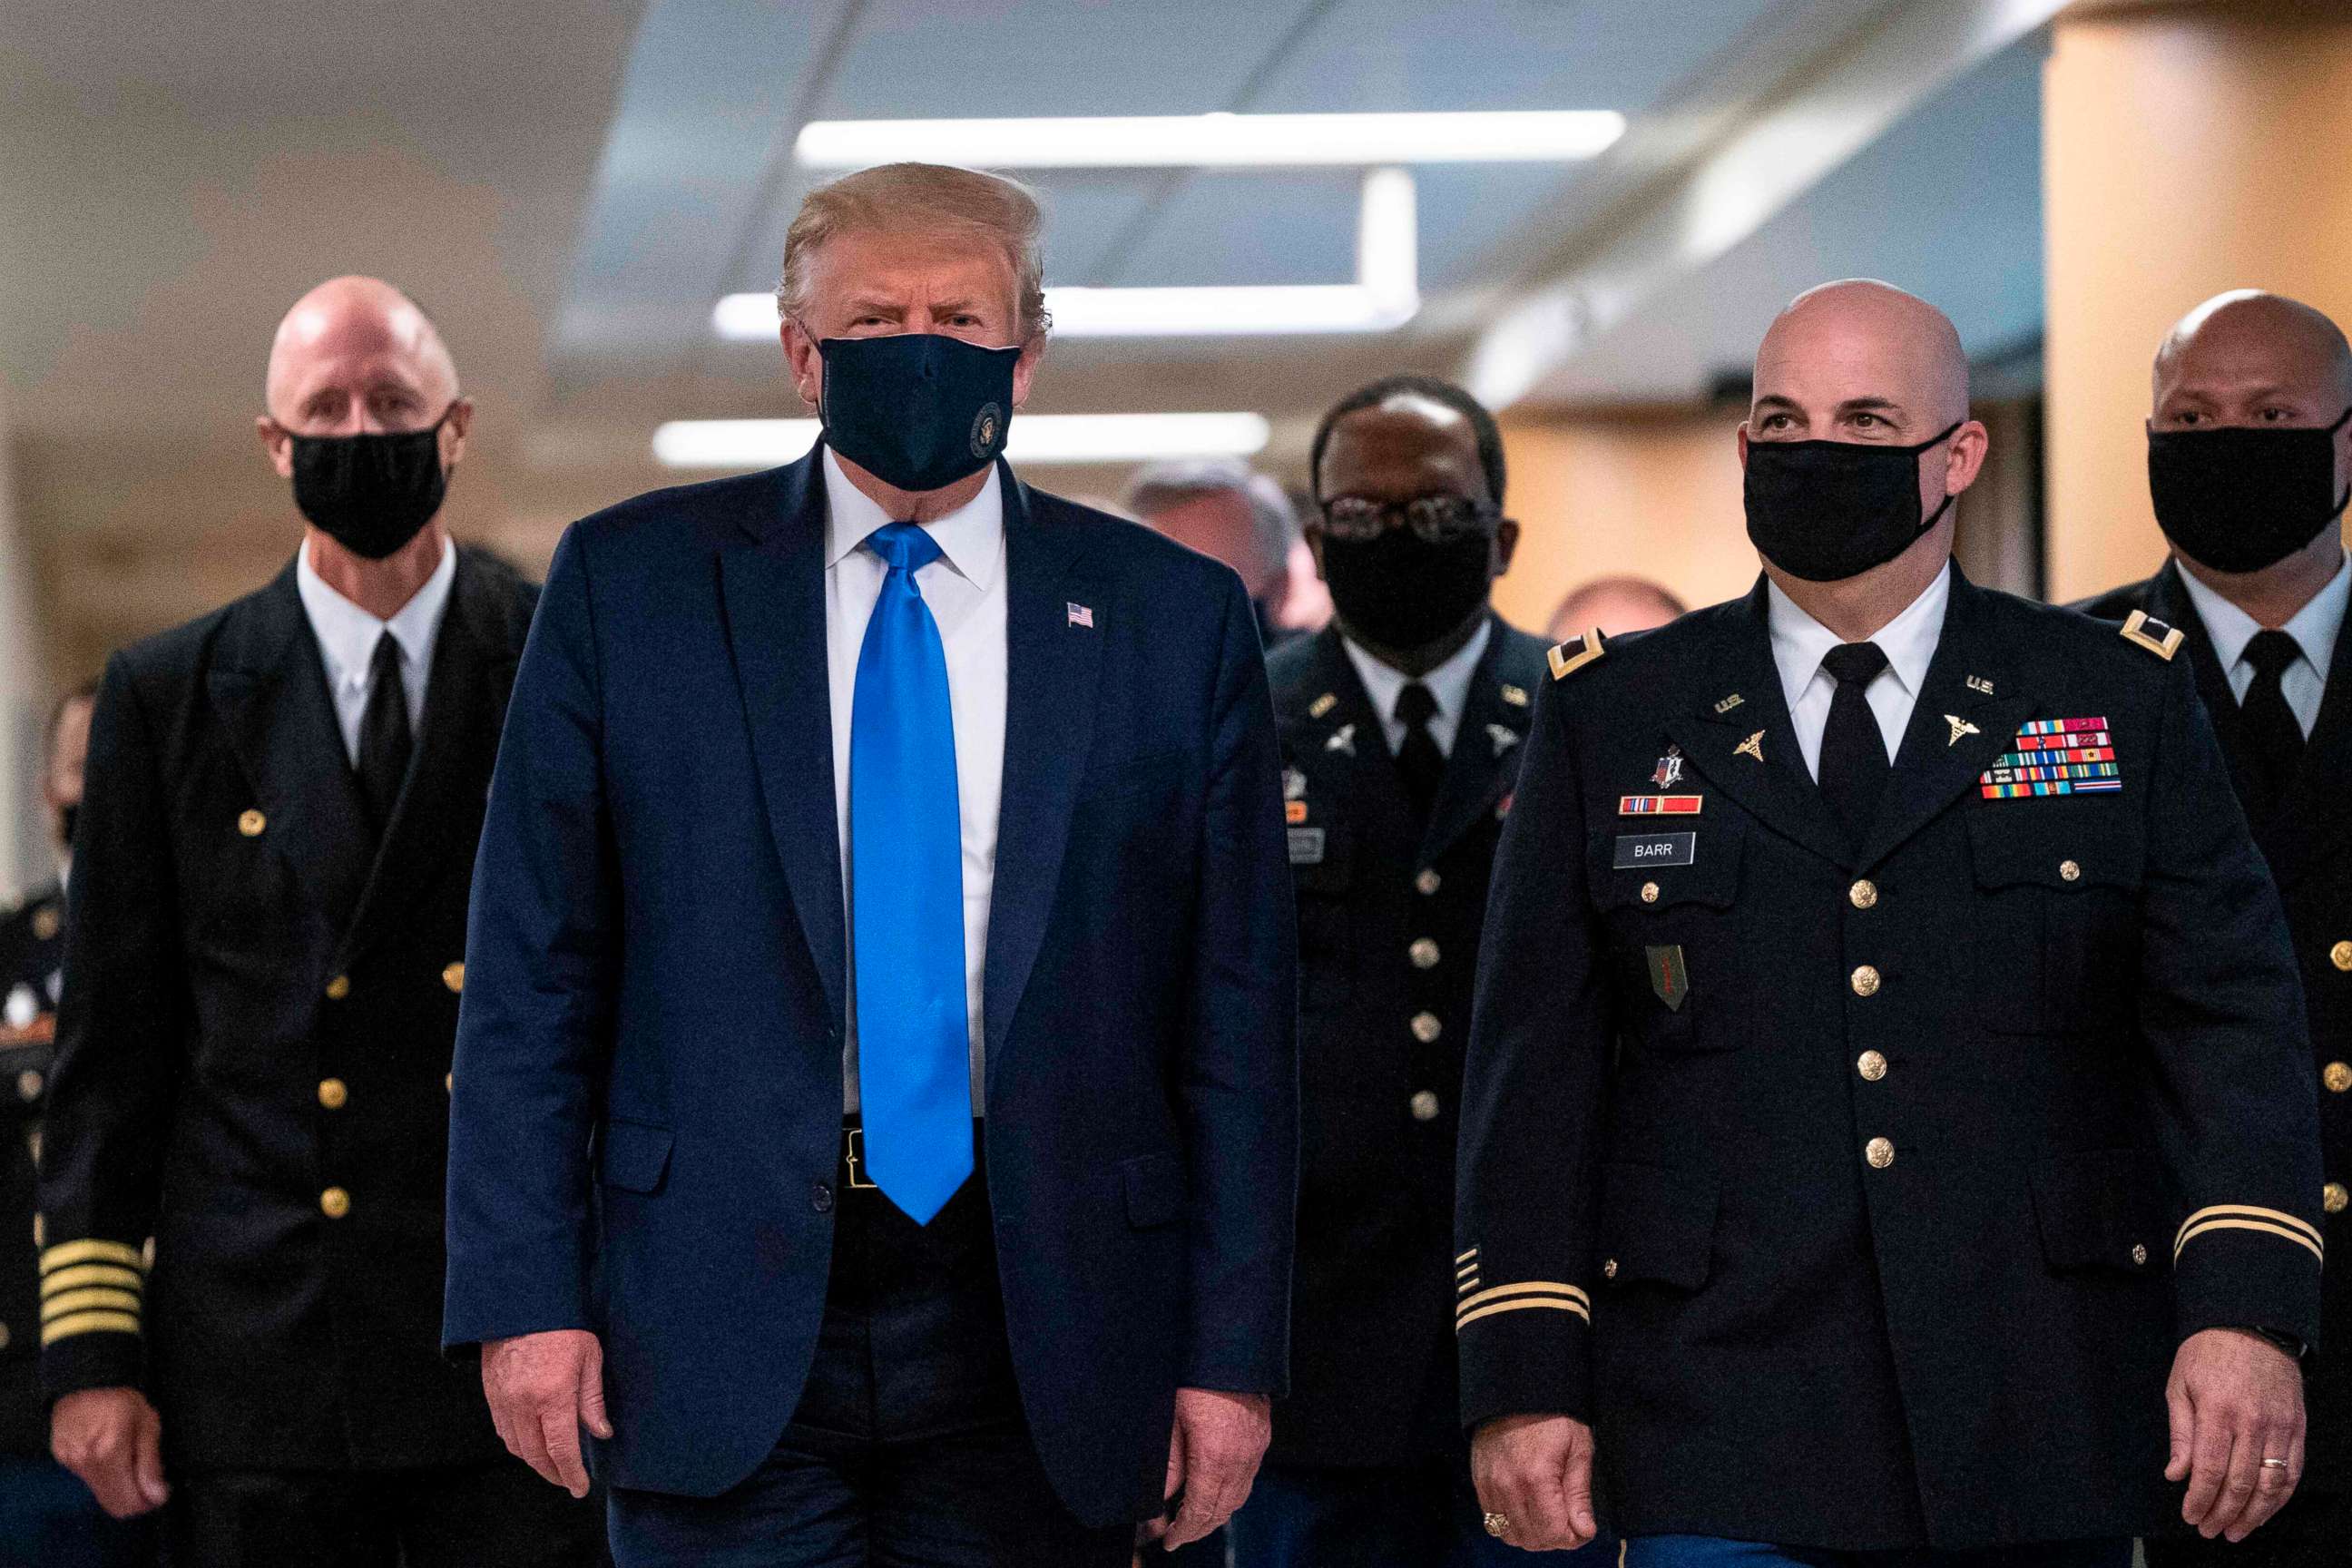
[{"x": 1636, "y": 851}]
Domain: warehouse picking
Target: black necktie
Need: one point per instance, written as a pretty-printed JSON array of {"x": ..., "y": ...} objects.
[
  {"x": 1420, "y": 764},
  {"x": 383, "y": 734},
  {"x": 1854, "y": 752},
  {"x": 2274, "y": 735}
]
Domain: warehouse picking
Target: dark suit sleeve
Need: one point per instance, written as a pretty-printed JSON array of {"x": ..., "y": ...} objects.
[
  {"x": 2230, "y": 1082},
  {"x": 540, "y": 971},
  {"x": 1239, "y": 1080},
  {"x": 120, "y": 1026},
  {"x": 1535, "y": 1080}
]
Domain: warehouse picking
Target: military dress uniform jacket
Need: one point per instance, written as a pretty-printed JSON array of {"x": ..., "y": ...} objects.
[
  {"x": 31, "y": 942},
  {"x": 255, "y": 1044},
  {"x": 1389, "y": 916},
  {"x": 1859, "y": 1198},
  {"x": 2308, "y": 844}
]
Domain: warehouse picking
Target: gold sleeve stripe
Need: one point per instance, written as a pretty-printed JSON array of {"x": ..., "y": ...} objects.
[
  {"x": 2250, "y": 1211},
  {"x": 89, "y": 1323},
  {"x": 74, "y": 1301},
  {"x": 1467, "y": 1257},
  {"x": 2294, "y": 1235},
  {"x": 82, "y": 1274},
  {"x": 1465, "y": 1287},
  {"x": 1466, "y": 1271},
  {"x": 1529, "y": 1288},
  {"x": 67, "y": 1252},
  {"x": 1523, "y": 1303}
]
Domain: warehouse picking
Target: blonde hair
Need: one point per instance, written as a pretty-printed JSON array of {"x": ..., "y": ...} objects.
[{"x": 900, "y": 197}]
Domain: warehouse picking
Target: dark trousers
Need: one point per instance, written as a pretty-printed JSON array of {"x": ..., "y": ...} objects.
[
  {"x": 1709, "y": 1551},
  {"x": 1419, "y": 1516},
  {"x": 2312, "y": 1529},
  {"x": 908, "y": 1447},
  {"x": 49, "y": 1520},
  {"x": 462, "y": 1517}
]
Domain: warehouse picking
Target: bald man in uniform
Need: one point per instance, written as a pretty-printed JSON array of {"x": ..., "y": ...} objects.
[
  {"x": 262, "y": 970},
  {"x": 1887, "y": 1133},
  {"x": 2250, "y": 461}
]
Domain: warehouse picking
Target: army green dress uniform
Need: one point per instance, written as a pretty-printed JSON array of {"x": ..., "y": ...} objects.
[
  {"x": 1860, "y": 1196},
  {"x": 2308, "y": 842},
  {"x": 253, "y": 1068},
  {"x": 32, "y": 940}
]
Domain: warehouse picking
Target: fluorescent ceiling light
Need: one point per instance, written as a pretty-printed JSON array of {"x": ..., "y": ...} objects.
[
  {"x": 1033, "y": 438},
  {"x": 1385, "y": 295},
  {"x": 1214, "y": 141}
]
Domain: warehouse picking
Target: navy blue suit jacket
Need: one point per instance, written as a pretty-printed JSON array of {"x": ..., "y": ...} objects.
[{"x": 647, "y": 1110}]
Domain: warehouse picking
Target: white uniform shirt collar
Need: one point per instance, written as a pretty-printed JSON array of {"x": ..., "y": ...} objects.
[
  {"x": 2314, "y": 628},
  {"x": 1449, "y": 683},
  {"x": 971, "y": 537},
  {"x": 1908, "y": 641},
  {"x": 348, "y": 635}
]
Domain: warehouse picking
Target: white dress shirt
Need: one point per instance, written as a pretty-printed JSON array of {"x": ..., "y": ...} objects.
[
  {"x": 2314, "y": 628},
  {"x": 348, "y": 637},
  {"x": 1449, "y": 683},
  {"x": 966, "y": 593},
  {"x": 1908, "y": 641}
]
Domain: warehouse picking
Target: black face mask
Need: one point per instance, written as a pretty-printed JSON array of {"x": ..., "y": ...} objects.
[
  {"x": 1825, "y": 510},
  {"x": 2239, "y": 499},
  {"x": 371, "y": 494},
  {"x": 1399, "y": 592},
  {"x": 917, "y": 410}
]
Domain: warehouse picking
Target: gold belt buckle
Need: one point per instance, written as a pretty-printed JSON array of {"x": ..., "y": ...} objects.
[{"x": 853, "y": 1154}]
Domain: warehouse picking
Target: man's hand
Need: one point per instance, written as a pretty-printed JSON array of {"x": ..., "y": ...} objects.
[
  {"x": 543, "y": 1388},
  {"x": 1537, "y": 1472},
  {"x": 111, "y": 1438},
  {"x": 2236, "y": 1399},
  {"x": 1213, "y": 1458}
]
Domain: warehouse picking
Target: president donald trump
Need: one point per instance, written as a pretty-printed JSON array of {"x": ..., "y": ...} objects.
[{"x": 874, "y": 1110}]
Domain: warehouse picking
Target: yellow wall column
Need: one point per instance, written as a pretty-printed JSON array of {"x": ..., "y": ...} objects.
[{"x": 2187, "y": 149}]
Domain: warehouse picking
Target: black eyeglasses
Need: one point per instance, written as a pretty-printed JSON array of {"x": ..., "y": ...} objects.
[{"x": 1434, "y": 520}]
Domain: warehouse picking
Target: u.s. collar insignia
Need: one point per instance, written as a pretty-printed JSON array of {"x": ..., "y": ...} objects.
[
  {"x": 1294, "y": 784},
  {"x": 1343, "y": 739},
  {"x": 1504, "y": 737},
  {"x": 1670, "y": 769},
  {"x": 1751, "y": 747},
  {"x": 1514, "y": 695},
  {"x": 1322, "y": 705},
  {"x": 1729, "y": 704},
  {"x": 1960, "y": 727},
  {"x": 1979, "y": 685}
]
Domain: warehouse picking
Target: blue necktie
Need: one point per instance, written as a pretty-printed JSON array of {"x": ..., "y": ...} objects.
[{"x": 906, "y": 859}]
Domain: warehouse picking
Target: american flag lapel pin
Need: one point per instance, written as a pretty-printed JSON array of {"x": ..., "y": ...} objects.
[{"x": 1082, "y": 615}]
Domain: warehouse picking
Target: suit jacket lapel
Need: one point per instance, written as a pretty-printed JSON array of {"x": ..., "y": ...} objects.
[
  {"x": 1967, "y": 712},
  {"x": 1741, "y": 739},
  {"x": 772, "y": 598},
  {"x": 1483, "y": 756},
  {"x": 1052, "y": 665},
  {"x": 268, "y": 684}
]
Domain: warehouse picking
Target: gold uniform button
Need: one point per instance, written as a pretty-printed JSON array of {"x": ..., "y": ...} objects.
[
  {"x": 1429, "y": 882},
  {"x": 2334, "y": 1199},
  {"x": 251, "y": 824},
  {"x": 454, "y": 977},
  {"x": 1423, "y": 954},
  {"x": 1865, "y": 981},
  {"x": 334, "y": 1202},
  {"x": 1862, "y": 894},
  {"x": 2340, "y": 955},
  {"x": 448, "y": 1083},
  {"x": 28, "y": 1085},
  {"x": 1427, "y": 1028},
  {"x": 1424, "y": 1106},
  {"x": 1880, "y": 1152},
  {"x": 1609, "y": 1269},
  {"x": 2337, "y": 1077},
  {"x": 2139, "y": 1255},
  {"x": 2070, "y": 871},
  {"x": 1872, "y": 1066},
  {"x": 339, "y": 987},
  {"x": 45, "y": 923},
  {"x": 1649, "y": 893},
  {"x": 333, "y": 1093}
]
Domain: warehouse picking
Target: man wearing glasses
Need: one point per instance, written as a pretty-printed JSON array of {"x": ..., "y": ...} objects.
[{"x": 1401, "y": 725}]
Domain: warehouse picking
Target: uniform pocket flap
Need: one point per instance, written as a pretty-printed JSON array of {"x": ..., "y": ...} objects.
[
  {"x": 1155, "y": 1190},
  {"x": 1691, "y": 865},
  {"x": 635, "y": 1153},
  {"x": 1658, "y": 1226},
  {"x": 2011, "y": 852},
  {"x": 2099, "y": 1208}
]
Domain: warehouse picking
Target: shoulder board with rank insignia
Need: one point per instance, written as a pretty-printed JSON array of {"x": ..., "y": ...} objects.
[
  {"x": 2148, "y": 632},
  {"x": 1574, "y": 654}
]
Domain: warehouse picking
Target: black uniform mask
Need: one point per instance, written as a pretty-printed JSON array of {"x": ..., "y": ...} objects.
[
  {"x": 2239, "y": 499},
  {"x": 1826, "y": 510},
  {"x": 371, "y": 494},
  {"x": 1403, "y": 592}
]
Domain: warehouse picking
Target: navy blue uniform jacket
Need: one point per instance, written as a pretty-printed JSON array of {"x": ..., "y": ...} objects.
[{"x": 647, "y": 1108}]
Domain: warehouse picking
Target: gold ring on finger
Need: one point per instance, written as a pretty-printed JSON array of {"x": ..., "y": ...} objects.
[{"x": 1497, "y": 1524}]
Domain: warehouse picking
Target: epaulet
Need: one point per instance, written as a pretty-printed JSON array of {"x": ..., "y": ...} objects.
[
  {"x": 2144, "y": 630},
  {"x": 1573, "y": 655}
]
